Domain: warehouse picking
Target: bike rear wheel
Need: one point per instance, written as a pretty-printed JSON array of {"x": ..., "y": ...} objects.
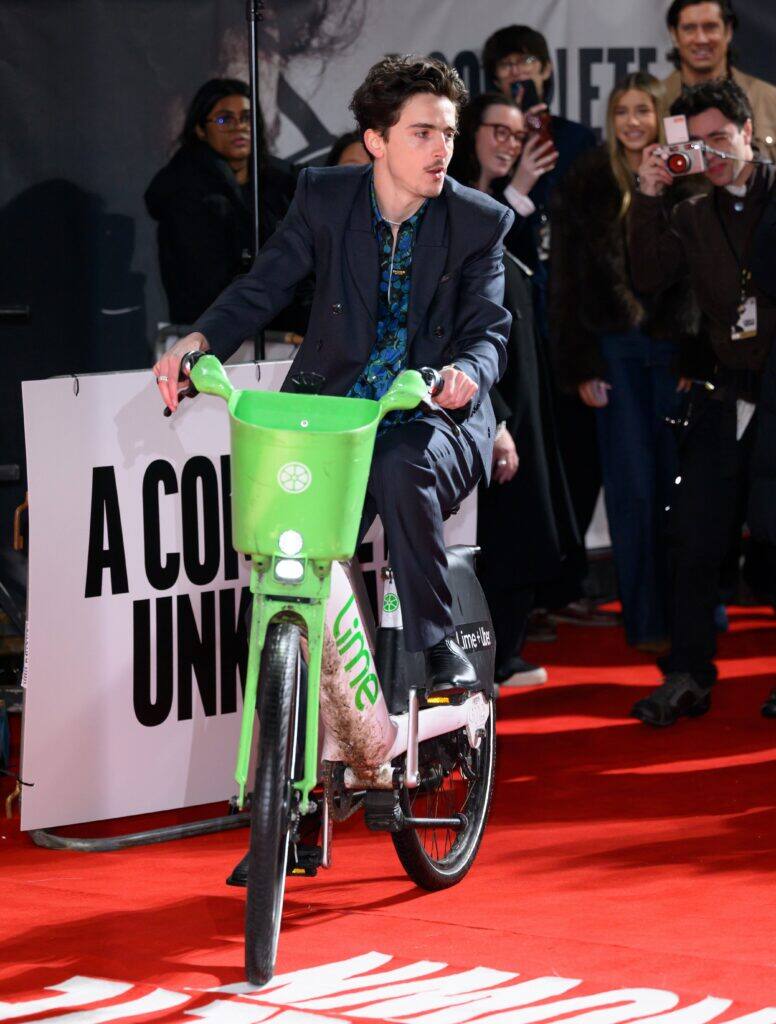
[
  {"x": 456, "y": 779},
  {"x": 273, "y": 808}
]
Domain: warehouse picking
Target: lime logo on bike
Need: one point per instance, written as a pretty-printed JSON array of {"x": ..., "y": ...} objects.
[
  {"x": 294, "y": 477},
  {"x": 390, "y": 603},
  {"x": 474, "y": 636},
  {"x": 349, "y": 638}
]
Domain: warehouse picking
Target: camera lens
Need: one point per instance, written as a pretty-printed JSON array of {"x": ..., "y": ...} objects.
[{"x": 677, "y": 163}]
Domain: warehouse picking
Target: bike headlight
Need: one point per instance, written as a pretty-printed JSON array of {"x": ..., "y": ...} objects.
[
  {"x": 289, "y": 570},
  {"x": 290, "y": 542}
]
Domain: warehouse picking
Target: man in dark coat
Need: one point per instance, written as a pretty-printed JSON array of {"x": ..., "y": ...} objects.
[
  {"x": 708, "y": 236},
  {"x": 409, "y": 273},
  {"x": 762, "y": 495}
]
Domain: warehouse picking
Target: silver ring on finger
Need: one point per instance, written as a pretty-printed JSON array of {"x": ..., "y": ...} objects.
[{"x": 162, "y": 378}]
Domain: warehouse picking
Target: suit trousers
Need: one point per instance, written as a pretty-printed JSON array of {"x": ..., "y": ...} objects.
[
  {"x": 421, "y": 472},
  {"x": 712, "y": 487}
]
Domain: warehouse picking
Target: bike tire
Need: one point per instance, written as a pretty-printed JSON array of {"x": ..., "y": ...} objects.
[
  {"x": 431, "y": 865},
  {"x": 273, "y": 798}
]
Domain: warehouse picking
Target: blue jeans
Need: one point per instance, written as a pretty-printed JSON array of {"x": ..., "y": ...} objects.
[{"x": 639, "y": 465}]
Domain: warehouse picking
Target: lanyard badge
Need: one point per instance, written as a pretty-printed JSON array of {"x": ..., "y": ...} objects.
[{"x": 746, "y": 323}]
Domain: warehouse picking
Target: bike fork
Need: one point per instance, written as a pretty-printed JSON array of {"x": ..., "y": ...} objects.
[{"x": 312, "y": 612}]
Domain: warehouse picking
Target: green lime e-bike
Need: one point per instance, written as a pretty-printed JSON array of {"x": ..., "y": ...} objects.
[{"x": 346, "y": 717}]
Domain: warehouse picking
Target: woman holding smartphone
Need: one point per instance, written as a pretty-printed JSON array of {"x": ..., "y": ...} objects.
[
  {"x": 619, "y": 351},
  {"x": 526, "y": 524}
]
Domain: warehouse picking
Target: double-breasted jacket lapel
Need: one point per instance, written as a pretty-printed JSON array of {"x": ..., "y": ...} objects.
[
  {"x": 428, "y": 263},
  {"x": 361, "y": 252}
]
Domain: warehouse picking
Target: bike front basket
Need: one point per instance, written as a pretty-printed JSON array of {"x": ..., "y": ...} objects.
[{"x": 299, "y": 462}]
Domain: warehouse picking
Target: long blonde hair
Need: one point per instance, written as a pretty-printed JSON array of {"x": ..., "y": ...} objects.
[{"x": 623, "y": 175}]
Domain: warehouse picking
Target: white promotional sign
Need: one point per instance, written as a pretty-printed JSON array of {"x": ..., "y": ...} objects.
[
  {"x": 592, "y": 44},
  {"x": 135, "y": 642}
]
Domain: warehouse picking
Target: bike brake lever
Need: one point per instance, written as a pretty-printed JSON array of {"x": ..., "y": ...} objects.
[
  {"x": 187, "y": 362},
  {"x": 190, "y": 392}
]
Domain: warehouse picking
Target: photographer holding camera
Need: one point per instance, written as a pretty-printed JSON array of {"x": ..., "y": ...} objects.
[{"x": 710, "y": 236}]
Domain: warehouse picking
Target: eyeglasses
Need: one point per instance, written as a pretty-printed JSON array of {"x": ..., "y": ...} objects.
[
  {"x": 527, "y": 60},
  {"x": 503, "y": 133},
  {"x": 228, "y": 122}
]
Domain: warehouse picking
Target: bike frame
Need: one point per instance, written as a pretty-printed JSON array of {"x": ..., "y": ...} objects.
[{"x": 344, "y": 695}]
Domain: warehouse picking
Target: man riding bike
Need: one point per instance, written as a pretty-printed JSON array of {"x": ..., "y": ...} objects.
[{"x": 409, "y": 273}]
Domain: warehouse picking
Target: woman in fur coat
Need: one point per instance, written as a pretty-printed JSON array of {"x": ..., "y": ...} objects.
[
  {"x": 526, "y": 525},
  {"x": 620, "y": 352}
]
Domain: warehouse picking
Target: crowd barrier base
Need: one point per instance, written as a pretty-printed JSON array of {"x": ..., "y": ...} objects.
[{"x": 49, "y": 839}]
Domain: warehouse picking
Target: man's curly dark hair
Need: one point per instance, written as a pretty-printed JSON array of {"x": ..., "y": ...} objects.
[
  {"x": 721, "y": 93},
  {"x": 378, "y": 101}
]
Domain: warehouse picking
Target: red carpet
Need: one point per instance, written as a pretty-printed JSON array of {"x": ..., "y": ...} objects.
[{"x": 617, "y": 858}]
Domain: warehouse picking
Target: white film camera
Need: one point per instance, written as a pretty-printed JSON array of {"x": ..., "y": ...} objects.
[{"x": 681, "y": 155}]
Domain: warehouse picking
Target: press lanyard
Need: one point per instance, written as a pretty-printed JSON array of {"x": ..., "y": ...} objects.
[{"x": 742, "y": 260}]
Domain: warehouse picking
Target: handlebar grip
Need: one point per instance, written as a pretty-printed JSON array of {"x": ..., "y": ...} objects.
[{"x": 433, "y": 379}]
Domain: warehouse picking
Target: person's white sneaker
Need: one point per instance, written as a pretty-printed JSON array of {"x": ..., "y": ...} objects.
[{"x": 518, "y": 672}]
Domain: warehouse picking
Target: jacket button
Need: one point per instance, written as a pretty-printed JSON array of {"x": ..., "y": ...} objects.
[
  {"x": 336, "y": 308},
  {"x": 439, "y": 331}
]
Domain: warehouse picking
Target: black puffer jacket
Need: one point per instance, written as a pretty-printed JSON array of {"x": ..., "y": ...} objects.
[
  {"x": 590, "y": 287},
  {"x": 204, "y": 230}
]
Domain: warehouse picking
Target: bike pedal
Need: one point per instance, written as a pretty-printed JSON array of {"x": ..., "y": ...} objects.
[
  {"x": 450, "y": 696},
  {"x": 304, "y": 860},
  {"x": 382, "y": 812}
]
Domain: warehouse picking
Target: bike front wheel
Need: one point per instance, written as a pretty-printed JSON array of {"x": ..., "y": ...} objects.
[
  {"x": 273, "y": 808},
  {"x": 456, "y": 780}
]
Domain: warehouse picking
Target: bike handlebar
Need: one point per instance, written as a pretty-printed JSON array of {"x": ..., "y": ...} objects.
[{"x": 431, "y": 377}]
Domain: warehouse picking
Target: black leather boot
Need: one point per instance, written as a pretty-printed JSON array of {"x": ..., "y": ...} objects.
[{"x": 449, "y": 666}]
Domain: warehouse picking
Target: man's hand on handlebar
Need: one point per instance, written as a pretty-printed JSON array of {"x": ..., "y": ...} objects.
[
  {"x": 458, "y": 390},
  {"x": 167, "y": 370}
]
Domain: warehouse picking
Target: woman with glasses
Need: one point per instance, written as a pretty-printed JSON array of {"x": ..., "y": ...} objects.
[
  {"x": 618, "y": 351},
  {"x": 202, "y": 202},
  {"x": 525, "y": 523}
]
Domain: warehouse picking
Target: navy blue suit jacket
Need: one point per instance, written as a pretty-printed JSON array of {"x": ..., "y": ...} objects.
[{"x": 456, "y": 312}]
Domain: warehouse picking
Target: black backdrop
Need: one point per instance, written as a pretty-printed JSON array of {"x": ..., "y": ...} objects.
[{"x": 91, "y": 90}]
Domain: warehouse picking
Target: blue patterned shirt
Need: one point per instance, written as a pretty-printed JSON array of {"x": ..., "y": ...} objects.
[{"x": 389, "y": 355}]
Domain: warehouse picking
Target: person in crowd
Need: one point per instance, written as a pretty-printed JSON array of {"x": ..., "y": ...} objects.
[
  {"x": 202, "y": 201},
  {"x": 619, "y": 350},
  {"x": 709, "y": 236},
  {"x": 514, "y": 58},
  {"x": 525, "y": 519},
  {"x": 437, "y": 248},
  {"x": 702, "y": 34},
  {"x": 761, "y": 512},
  {"x": 347, "y": 151}
]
